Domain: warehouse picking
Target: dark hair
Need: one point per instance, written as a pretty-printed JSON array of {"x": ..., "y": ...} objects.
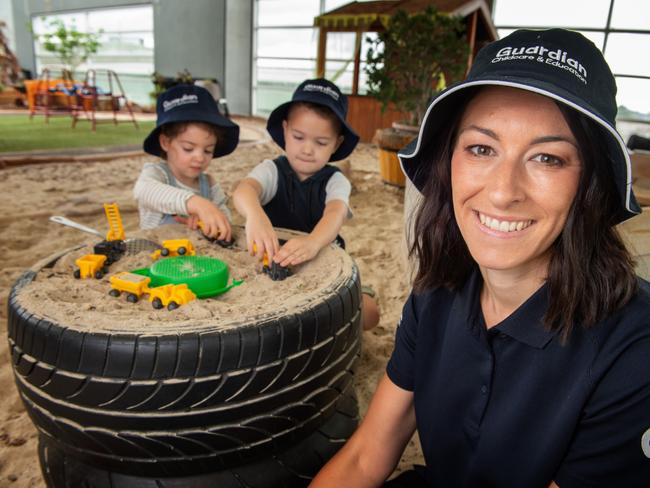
[
  {"x": 173, "y": 129},
  {"x": 591, "y": 273},
  {"x": 321, "y": 110}
]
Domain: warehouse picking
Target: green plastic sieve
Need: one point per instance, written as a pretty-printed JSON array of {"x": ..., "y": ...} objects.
[{"x": 205, "y": 276}]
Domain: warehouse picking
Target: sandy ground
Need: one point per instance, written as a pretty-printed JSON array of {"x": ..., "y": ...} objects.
[{"x": 29, "y": 195}]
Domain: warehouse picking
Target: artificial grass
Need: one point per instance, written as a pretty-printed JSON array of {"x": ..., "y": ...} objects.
[{"x": 18, "y": 133}]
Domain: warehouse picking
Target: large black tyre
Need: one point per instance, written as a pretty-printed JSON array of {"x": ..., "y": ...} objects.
[
  {"x": 294, "y": 467},
  {"x": 175, "y": 405}
]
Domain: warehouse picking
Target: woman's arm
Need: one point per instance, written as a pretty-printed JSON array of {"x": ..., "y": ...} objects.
[{"x": 373, "y": 451}]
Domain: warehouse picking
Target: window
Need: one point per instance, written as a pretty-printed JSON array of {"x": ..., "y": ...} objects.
[
  {"x": 286, "y": 44},
  {"x": 127, "y": 46},
  {"x": 618, "y": 27}
]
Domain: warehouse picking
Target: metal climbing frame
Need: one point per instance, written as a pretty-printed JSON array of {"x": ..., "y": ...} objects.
[
  {"x": 53, "y": 96},
  {"x": 92, "y": 100},
  {"x": 64, "y": 96}
]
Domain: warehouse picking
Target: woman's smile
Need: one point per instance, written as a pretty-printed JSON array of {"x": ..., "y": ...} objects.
[{"x": 503, "y": 225}]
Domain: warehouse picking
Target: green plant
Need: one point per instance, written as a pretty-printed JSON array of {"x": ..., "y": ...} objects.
[
  {"x": 407, "y": 62},
  {"x": 68, "y": 44},
  {"x": 162, "y": 83}
]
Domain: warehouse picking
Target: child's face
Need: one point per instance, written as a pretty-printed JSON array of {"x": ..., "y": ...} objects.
[
  {"x": 189, "y": 153},
  {"x": 309, "y": 141}
]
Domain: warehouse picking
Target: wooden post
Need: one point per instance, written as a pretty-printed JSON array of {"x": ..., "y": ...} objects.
[
  {"x": 322, "y": 52},
  {"x": 357, "y": 63},
  {"x": 471, "y": 38}
]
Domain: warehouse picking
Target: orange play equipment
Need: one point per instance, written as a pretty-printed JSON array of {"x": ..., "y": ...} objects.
[{"x": 65, "y": 96}]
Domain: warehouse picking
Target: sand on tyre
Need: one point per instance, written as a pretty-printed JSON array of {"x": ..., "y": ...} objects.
[{"x": 175, "y": 405}]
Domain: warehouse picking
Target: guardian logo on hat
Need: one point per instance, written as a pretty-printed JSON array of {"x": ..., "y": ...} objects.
[
  {"x": 557, "y": 63},
  {"x": 322, "y": 89},
  {"x": 558, "y": 58},
  {"x": 170, "y": 104}
]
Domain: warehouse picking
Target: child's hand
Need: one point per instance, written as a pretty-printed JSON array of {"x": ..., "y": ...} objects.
[
  {"x": 215, "y": 223},
  {"x": 296, "y": 251},
  {"x": 190, "y": 221},
  {"x": 260, "y": 236}
]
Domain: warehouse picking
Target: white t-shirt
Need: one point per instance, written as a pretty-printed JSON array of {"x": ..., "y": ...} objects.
[{"x": 266, "y": 174}]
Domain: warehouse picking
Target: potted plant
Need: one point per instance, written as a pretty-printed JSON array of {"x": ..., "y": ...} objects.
[{"x": 407, "y": 64}]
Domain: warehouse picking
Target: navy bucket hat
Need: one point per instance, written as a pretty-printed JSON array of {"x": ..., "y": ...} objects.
[
  {"x": 191, "y": 103},
  {"x": 557, "y": 63},
  {"x": 321, "y": 92}
]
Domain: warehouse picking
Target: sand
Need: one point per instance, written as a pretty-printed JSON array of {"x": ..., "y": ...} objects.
[{"x": 30, "y": 194}]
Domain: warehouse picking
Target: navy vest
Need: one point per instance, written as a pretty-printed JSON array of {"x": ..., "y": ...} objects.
[{"x": 299, "y": 205}]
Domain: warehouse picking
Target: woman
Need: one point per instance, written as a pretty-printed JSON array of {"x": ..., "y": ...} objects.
[{"x": 523, "y": 354}]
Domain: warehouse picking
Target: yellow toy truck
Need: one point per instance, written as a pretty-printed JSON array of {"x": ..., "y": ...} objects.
[
  {"x": 135, "y": 286},
  {"x": 170, "y": 296},
  {"x": 175, "y": 247},
  {"x": 90, "y": 265}
]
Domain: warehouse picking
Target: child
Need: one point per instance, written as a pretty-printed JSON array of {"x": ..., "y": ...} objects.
[
  {"x": 300, "y": 190},
  {"x": 189, "y": 132}
]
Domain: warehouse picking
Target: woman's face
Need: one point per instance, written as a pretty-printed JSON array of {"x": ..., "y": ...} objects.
[{"x": 515, "y": 170}]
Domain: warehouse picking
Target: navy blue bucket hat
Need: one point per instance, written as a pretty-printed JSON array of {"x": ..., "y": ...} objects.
[
  {"x": 191, "y": 103},
  {"x": 321, "y": 92},
  {"x": 556, "y": 63}
]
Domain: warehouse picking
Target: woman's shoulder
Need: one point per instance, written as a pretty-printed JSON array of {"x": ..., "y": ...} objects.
[
  {"x": 627, "y": 327},
  {"x": 466, "y": 293},
  {"x": 644, "y": 288},
  {"x": 434, "y": 300},
  {"x": 637, "y": 309}
]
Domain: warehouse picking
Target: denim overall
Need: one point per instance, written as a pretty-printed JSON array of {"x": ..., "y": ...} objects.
[{"x": 204, "y": 189}]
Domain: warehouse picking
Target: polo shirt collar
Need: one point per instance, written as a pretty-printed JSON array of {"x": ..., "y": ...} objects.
[{"x": 523, "y": 325}]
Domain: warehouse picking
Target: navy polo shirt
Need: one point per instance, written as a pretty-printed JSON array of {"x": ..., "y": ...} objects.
[{"x": 513, "y": 407}]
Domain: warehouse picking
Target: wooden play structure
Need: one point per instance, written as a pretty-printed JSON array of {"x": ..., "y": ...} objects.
[
  {"x": 10, "y": 73},
  {"x": 62, "y": 95},
  {"x": 364, "y": 112}
]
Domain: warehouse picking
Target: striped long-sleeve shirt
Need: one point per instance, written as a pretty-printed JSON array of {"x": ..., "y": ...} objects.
[{"x": 157, "y": 197}]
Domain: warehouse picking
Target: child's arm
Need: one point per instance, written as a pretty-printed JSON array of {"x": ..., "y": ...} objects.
[
  {"x": 152, "y": 191},
  {"x": 303, "y": 248},
  {"x": 215, "y": 222},
  {"x": 259, "y": 229}
]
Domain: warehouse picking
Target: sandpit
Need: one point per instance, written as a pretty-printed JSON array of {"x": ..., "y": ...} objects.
[{"x": 85, "y": 304}]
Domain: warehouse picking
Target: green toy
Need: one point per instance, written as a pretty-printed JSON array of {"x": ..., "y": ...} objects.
[{"x": 205, "y": 276}]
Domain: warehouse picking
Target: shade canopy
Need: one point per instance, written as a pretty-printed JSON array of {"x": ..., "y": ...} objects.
[{"x": 375, "y": 15}]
